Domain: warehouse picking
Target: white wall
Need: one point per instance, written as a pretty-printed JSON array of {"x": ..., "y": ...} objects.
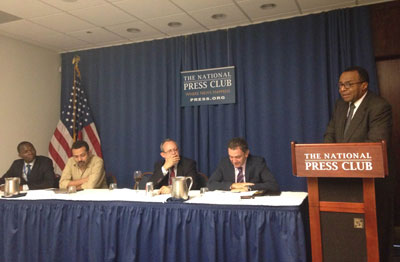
[{"x": 30, "y": 86}]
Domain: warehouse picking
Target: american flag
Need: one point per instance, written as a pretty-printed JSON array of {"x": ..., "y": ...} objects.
[{"x": 76, "y": 123}]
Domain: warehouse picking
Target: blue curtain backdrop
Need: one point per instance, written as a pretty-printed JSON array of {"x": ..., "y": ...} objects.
[{"x": 286, "y": 76}]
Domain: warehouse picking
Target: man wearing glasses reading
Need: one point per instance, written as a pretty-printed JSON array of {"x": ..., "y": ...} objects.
[
  {"x": 170, "y": 166},
  {"x": 362, "y": 116}
]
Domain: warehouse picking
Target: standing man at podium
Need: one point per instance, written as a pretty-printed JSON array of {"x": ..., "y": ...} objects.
[
  {"x": 362, "y": 116},
  {"x": 371, "y": 115}
]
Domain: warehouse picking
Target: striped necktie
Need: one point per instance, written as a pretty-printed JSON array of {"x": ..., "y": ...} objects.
[
  {"x": 240, "y": 176},
  {"x": 349, "y": 117}
]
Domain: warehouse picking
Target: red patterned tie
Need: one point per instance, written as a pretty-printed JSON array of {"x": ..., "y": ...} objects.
[
  {"x": 239, "y": 178},
  {"x": 171, "y": 174}
]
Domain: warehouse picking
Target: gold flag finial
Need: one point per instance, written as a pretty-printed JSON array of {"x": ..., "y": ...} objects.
[
  {"x": 77, "y": 73},
  {"x": 76, "y": 60}
]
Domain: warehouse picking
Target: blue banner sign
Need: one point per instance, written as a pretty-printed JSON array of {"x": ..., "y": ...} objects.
[{"x": 208, "y": 86}]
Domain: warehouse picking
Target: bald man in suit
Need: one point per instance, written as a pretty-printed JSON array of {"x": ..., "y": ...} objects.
[{"x": 172, "y": 165}]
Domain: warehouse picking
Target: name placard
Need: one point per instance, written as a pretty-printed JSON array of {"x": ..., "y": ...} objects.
[
  {"x": 208, "y": 86},
  {"x": 340, "y": 160}
]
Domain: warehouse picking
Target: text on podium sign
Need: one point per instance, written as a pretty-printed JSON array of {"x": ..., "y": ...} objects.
[{"x": 340, "y": 160}]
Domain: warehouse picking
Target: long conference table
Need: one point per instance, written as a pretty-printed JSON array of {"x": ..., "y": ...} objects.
[{"x": 126, "y": 225}]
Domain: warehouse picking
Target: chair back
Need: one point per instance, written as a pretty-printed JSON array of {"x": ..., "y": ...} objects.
[
  {"x": 145, "y": 178},
  {"x": 202, "y": 180},
  {"x": 110, "y": 178},
  {"x": 57, "y": 178}
]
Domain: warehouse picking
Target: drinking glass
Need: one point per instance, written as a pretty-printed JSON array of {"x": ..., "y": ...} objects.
[
  {"x": 137, "y": 176},
  {"x": 149, "y": 189},
  {"x": 71, "y": 189},
  {"x": 112, "y": 186},
  {"x": 203, "y": 190}
]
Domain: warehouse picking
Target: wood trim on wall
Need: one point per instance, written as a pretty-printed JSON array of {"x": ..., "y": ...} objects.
[{"x": 385, "y": 25}]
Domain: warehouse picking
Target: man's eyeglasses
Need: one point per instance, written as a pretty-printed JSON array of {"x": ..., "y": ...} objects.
[
  {"x": 172, "y": 151},
  {"x": 347, "y": 85}
]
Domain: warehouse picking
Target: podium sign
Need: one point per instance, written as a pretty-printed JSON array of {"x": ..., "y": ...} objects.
[
  {"x": 339, "y": 160},
  {"x": 332, "y": 164}
]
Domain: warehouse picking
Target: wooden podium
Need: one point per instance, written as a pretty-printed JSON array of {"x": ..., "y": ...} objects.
[{"x": 348, "y": 163}]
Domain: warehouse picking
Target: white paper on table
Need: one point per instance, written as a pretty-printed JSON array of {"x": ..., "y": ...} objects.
[
  {"x": 211, "y": 197},
  {"x": 228, "y": 198}
]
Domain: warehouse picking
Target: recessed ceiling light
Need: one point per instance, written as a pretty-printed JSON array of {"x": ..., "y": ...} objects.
[
  {"x": 218, "y": 16},
  {"x": 133, "y": 30},
  {"x": 174, "y": 24},
  {"x": 267, "y": 6}
]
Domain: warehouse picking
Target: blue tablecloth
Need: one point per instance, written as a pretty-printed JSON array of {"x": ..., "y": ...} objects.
[{"x": 60, "y": 230}]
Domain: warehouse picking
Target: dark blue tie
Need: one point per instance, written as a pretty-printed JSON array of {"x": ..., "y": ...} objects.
[{"x": 28, "y": 170}]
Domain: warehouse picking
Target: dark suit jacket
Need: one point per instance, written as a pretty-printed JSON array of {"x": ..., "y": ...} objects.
[
  {"x": 186, "y": 167},
  {"x": 41, "y": 176},
  {"x": 257, "y": 172},
  {"x": 372, "y": 121}
]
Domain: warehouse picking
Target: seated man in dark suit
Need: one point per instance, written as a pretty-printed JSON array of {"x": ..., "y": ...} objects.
[
  {"x": 35, "y": 172},
  {"x": 170, "y": 166},
  {"x": 241, "y": 171}
]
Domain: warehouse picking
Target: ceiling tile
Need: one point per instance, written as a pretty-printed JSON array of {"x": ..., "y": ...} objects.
[
  {"x": 146, "y": 31},
  {"x": 67, "y": 6},
  {"x": 193, "y": 5},
  {"x": 234, "y": 16},
  {"x": 322, "y": 5},
  {"x": 26, "y": 29},
  {"x": 27, "y": 8},
  {"x": 96, "y": 35},
  {"x": 112, "y": 43},
  {"x": 36, "y": 43},
  {"x": 62, "y": 22},
  {"x": 103, "y": 15},
  {"x": 188, "y": 24},
  {"x": 149, "y": 9},
  {"x": 282, "y": 8},
  {"x": 65, "y": 42},
  {"x": 363, "y": 2}
]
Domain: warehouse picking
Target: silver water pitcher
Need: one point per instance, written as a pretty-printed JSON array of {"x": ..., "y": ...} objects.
[
  {"x": 180, "y": 189},
  {"x": 11, "y": 186}
]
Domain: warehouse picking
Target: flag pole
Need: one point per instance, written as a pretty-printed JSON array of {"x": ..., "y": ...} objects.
[{"x": 75, "y": 62}]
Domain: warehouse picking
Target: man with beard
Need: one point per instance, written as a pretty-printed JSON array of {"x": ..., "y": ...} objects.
[
  {"x": 83, "y": 170},
  {"x": 35, "y": 172}
]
